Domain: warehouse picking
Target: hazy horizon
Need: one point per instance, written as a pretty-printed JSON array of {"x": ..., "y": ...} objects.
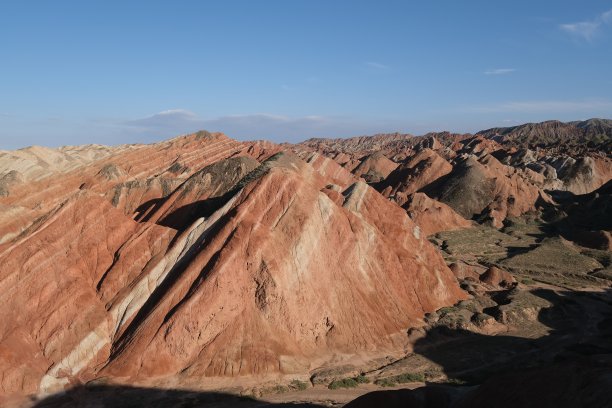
[
  {"x": 114, "y": 73},
  {"x": 163, "y": 138}
]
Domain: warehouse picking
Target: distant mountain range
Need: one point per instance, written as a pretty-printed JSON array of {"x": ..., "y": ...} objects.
[
  {"x": 588, "y": 135},
  {"x": 591, "y": 132}
]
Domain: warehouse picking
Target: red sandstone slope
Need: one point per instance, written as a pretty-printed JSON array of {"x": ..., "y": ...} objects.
[
  {"x": 198, "y": 195},
  {"x": 154, "y": 170},
  {"x": 131, "y": 177},
  {"x": 433, "y": 216},
  {"x": 279, "y": 276},
  {"x": 289, "y": 278},
  {"x": 485, "y": 189},
  {"x": 374, "y": 167},
  {"x": 54, "y": 278},
  {"x": 479, "y": 186},
  {"x": 418, "y": 171}
]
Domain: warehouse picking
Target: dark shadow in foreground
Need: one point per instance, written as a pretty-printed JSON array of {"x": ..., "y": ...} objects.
[
  {"x": 570, "y": 366},
  {"x": 117, "y": 396}
]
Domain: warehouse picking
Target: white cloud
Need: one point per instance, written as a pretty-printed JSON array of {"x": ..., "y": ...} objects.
[
  {"x": 172, "y": 112},
  {"x": 377, "y": 65},
  {"x": 254, "y": 126},
  {"x": 549, "y": 106},
  {"x": 165, "y": 118},
  {"x": 175, "y": 122},
  {"x": 584, "y": 29},
  {"x": 588, "y": 30},
  {"x": 500, "y": 71}
]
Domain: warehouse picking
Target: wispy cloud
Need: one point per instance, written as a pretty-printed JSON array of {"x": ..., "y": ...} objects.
[
  {"x": 377, "y": 65},
  {"x": 253, "y": 126},
  {"x": 500, "y": 71},
  {"x": 549, "y": 106},
  {"x": 588, "y": 30},
  {"x": 174, "y": 122},
  {"x": 168, "y": 119},
  {"x": 584, "y": 29}
]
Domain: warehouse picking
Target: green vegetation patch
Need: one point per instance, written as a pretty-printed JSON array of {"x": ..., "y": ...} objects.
[
  {"x": 343, "y": 383},
  {"x": 456, "y": 381},
  {"x": 298, "y": 385},
  {"x": 350, "y": 382},
  {"x": 400, "y": 379}
]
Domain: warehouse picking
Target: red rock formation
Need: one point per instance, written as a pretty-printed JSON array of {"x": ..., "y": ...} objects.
[
  {"x": 128, "y": 177},
  {"x": 485, "y": 189},
  {"x": 464, "y": 271},
  {"x": 477, "y": 145},
  {"x": 281, "y": 275},
  {"x": 550, "y": 155},
  {"x": 586, "y": 174},
  {"x": 419, "y": 171},
  {"x": 374, "y": 168},
  {"x": 330, "y": 169},
  {"x": 199, "y": 195},
  {"x": 290, "y": 277},
  {"x": 433, "y": 216},
  {"x": 13, "y": 221},
  {"x": 260, "y": 150},
  {"x": 56, "y": 277},
  {"x": 497, "y": 277},
  {"x": 554, "y": 134}
]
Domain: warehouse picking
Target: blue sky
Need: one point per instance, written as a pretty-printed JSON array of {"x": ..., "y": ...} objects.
[{"x": 74, "y": 72}]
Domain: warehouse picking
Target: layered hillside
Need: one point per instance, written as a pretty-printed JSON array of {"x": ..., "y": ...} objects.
[
  {"x": 578, "y": 136},
  {"x": 488, "y": 177},
  {"x": 522, "y": 216},
  {"x": 592, "y": 133},
  {"x": 205, "y": 263},
  {"x": 193, "y": 262}
]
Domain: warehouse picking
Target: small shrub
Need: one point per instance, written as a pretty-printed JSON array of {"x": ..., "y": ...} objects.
[
  {"x": 400, "y": 379},
  {"x": 447, "y": 310},
  {"x": 385, "y": 382},
  {"x": 279, "y": 389},
  {"x": 362, "y": 379},
  {"x": 432, "y": 373},
  {"x": 344, "y": 383},
  {"x": 455, "y": 381},
  {"x": 469, "y": 305},
  {"x": 527, "y": 281},
  {"x": 409, "y": 377},
  {"x": 298, "y": 385}
]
